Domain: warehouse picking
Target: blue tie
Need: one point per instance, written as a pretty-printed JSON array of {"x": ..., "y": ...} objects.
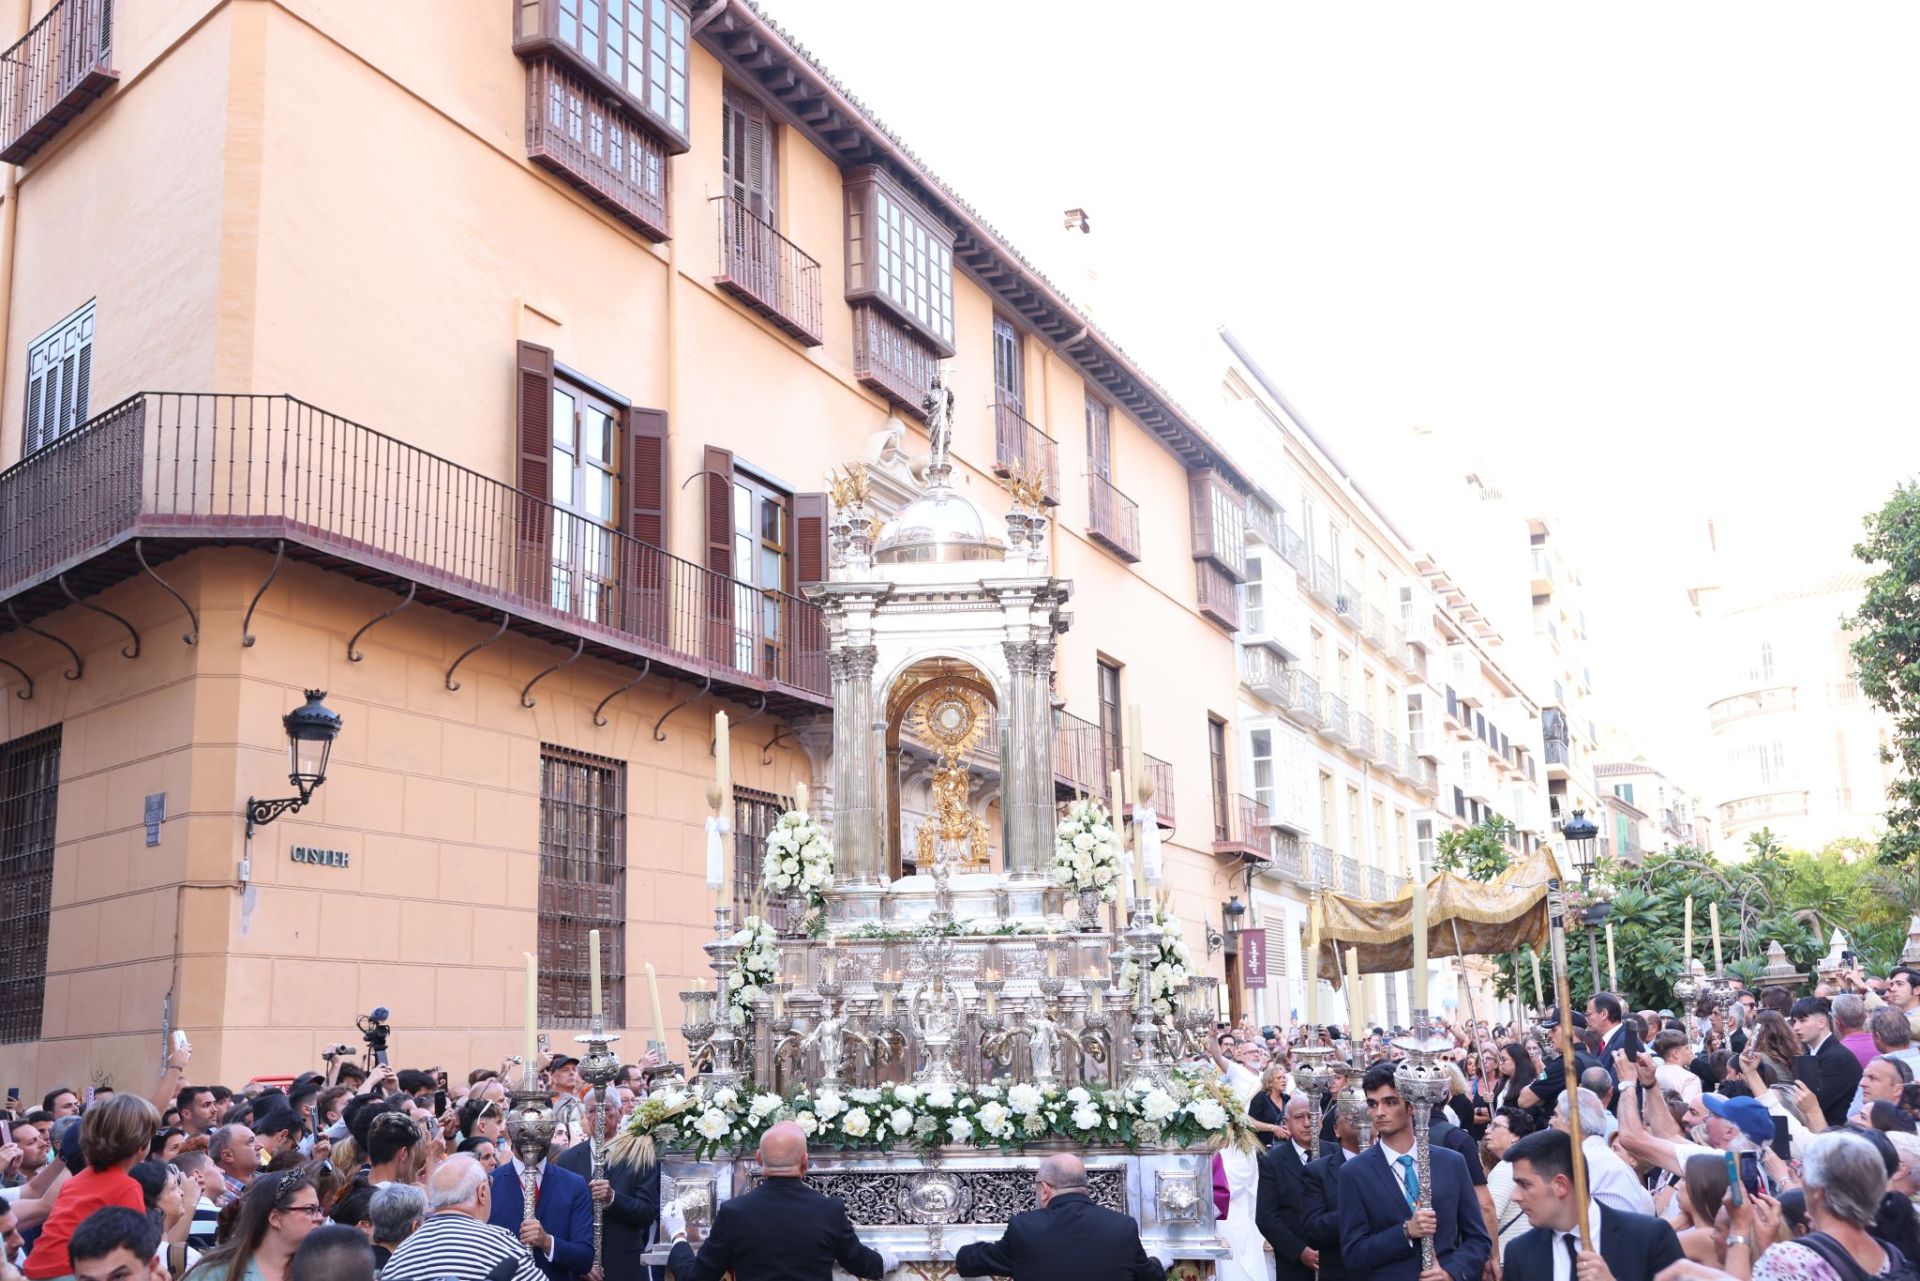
[{"x": 1410, "y": 1180}]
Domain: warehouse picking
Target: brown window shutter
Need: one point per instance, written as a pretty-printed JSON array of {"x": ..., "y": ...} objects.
[
  {"x": 534, "y": 432},
  {"x": 810, "y": 538},
  {"x": 718, "y": 474},
  {"x": 718, "y": 598},
  {"x": 647, "y": 475}
]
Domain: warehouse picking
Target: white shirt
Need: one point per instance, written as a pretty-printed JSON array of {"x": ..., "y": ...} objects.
[
  {"x": 1682, "y": 1081},
  {"x": 1305, "y": 1154},
  {"x": 1562, "y": 1266},
  {"x": 520, "y": 1177},
  {"x": 1611, "y": 1181}
]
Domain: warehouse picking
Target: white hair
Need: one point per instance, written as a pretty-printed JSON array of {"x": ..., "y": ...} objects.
[
  {"x": 1593, "y": 1113},
  {"x": 456, "y": 1182}
]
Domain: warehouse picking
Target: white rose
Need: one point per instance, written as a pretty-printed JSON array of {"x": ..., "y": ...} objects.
[
  {"x": 868, "y": 1096},
  {"x": 901, "y": 1120},
  {"x": 712, "y": 1125},
  {"x": 1082, "y": 842},
  {"x": 1086, "y": 1117},
  {"x": 995, "y": 1119},
  {"x": 857, "y": 1123},
  {"x": 1066, "y": 829},
  {"x": 1024, "y": 1098},
  {"x": 1158, "y": 1105},
  {"x": 960, "y": 1129},
  {"x": 906, "y": 1094},
  {"x": 724, "y": 1097},
  {"x": 939, "y": 1097},
  {"x": 791, "y": 866},
  {"x": 763, "y": 1106},
  {"x": 828, "y": 1105},
  {"x": 808, "y": 1123},
  {"x": 1078, "y": 1095},
  {"x": 1209, "y": 1114}
]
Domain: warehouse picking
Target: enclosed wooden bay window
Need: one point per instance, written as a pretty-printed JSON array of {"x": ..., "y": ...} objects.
[{"x": 900, "y": 282}]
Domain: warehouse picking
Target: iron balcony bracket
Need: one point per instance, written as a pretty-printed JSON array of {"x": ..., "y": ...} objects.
[
  {"x": 712, "y": 744},
  {"x": 471, "y": 650},
  {"x": 100, "y": 609},
  {"x": 246, "y": 624},
  {"x": 577, "y": 651},
  {"x": 79, "y": 666},
  {"x": 779, "y": 735},
  {"x": 192, "y": 635},
  {"x": 660, "y": 735},
  {"x": 600, "y": 720},
  {"x": 26, "y": 693},
  {"x": 353, "y": 654}
]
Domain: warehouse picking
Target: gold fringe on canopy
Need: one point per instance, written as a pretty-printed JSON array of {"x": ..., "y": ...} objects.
[{"x": 1491, "y": 916}]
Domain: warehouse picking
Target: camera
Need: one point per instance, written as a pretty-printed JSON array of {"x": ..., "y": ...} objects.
[{"x": 374, "y": 1030}]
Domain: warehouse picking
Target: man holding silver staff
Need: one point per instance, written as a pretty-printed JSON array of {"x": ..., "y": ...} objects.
[{"x": 1385, "y": 1212}]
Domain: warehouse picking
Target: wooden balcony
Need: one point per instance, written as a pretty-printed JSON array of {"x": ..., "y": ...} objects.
[
  {"x": 1021, "y": 449},
  {"x": 50, "y": 74},
  {"x": 1113, "y": 519},
  {"x": 601, "y": 45},
  {"x": 162, "y": 473},
  {"x": 1217, "y": 594},
  {"x": 593, "y": 143},
  {"x": 892, "y": 359},
  {"x": 768, "y": 272},
  {"x": 1242, "y": 827},
  {"x": 1161, "y": 774}
]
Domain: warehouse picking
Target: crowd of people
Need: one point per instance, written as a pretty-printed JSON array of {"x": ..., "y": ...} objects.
[{"x": 1767, "y": 1138}]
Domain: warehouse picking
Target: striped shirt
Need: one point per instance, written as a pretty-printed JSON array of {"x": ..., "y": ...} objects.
[
  {"x": 206, "y": 1218},
  {"x": 454, "y": 1245}
]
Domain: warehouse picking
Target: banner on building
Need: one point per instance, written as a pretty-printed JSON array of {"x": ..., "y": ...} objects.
[{"x": 1252, "y": 945}]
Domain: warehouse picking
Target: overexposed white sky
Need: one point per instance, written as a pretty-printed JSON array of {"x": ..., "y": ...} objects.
[{"x": 1652, "y": 263}]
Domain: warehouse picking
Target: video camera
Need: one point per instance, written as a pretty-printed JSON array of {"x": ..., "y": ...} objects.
[{"x": 374, "y": 1030}]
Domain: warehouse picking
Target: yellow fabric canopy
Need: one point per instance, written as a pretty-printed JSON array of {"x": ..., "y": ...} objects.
[{"x": 1490, "y": 916}]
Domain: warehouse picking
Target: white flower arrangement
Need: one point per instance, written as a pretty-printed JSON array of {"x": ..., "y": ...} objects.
[
  {"x": 1086, "y": 852},
  {"x": 1193, "y": 1109},
  {"x": 799, "y": 860},
  {"x": 755, "y": 966},
  {"x": 1172, "y": 968}
]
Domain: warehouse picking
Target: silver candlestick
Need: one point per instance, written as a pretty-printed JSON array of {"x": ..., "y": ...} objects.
[
  {"x": 598, "y": 1069},
  {"x": 1313, "y": 1073},
  {"x": 530, "y": 1124},
  {"x": 1150, "y": 1063},
  {"x": 1424, "y": 1083},
  {"x": 724, "y": 1067}
]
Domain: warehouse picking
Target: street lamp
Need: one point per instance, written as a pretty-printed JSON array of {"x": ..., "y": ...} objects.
[
  {"x": 1230, "y": 914},
  {"x": 311, "y": 729},
  {"x": 1582, "y": 836}
]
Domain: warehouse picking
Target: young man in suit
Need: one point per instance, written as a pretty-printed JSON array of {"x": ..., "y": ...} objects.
[
  {"x": 1634, "y": 1247},
  {"x": 1068, "y": 1236},
  {"x": 1320, "y": 1194},
  {"x": 783, "y": 1230},
  {"x": 1279, "y": 1210},
  {"x": 1380, "y": 1226},
  {"x": 560, "y": 1234},
  {"x": 1840, "y": 1071}
]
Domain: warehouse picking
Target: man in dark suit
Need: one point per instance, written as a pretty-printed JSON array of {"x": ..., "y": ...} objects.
[
  {"x": 1380, "y": 1226},
  {"x": 1068, "y": 1236},
  {"x": 1279, "y": 1210},
  {"x": 1635, "y": 1247},
  {"x": 783, "y": 1230},
  {"x": 631, "y": 1197},
  {"x": 560, "y": 1234},
  {"x": 1606, "y": 1015},
  {"x": 1840, "y": 1070},
  {"x": 1320, "y": 1196},
  {"x": 1341, "y": 1076},
  {"x": 1543, "y": 1095}
]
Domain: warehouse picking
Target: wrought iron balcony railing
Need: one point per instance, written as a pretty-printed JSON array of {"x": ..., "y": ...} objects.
[
  {"x": 1320, "y": 864},
  {"x": 1364, "y": 740},
  {"x": 1021, "y": 449},
  {"x": 1302, "y": 701},
  {"x": 1293, "y": 550},
  {"x": 1080, "y": 757},
  {"x": 1217, "y": 595},
  {"x": 50, "y": 74},
  {"x": 1351, "y": 881},
  {"x": 1333, "y": 717},
  {"x": 1289, "y": 855},
  {"x": 1113, "y": 519},
  {"x": 172, "y": 469},
  {"x": 1241, "y": 825},
  {"x": 1161, "y": 773},
  {"x": 768, "y": 272}
]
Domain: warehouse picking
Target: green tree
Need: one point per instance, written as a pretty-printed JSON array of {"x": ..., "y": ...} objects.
[
  {"x": 1886, "y": 655},
  {"x": 1479, "y": 852}
]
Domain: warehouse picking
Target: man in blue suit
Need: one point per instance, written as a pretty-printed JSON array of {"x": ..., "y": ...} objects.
[
  {"x": 560, "y": 1234},
  {"x": 1380, "y": 1230}
]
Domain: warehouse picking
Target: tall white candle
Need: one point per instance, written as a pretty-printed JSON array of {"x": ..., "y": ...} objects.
[
  {"x": 1313, "y": 966},
  {"x": 1613, "y": 971},
  {"x": 653, "y": 998},
  {"x": 1419, "y": 940},
  {"x": 533, "y": 1014},
  {"x": 800, "y": 797},
  {"x": 1539, "y": 997},
  {"x": 1356, "y": 996},
  {"x": 1686, "y": 946},
  {"x": 593, "y": 970},
  {"x": 1713, "y": 923}
]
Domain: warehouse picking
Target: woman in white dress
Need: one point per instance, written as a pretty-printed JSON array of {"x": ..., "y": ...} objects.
[{"x": 1240, "y": 1158}]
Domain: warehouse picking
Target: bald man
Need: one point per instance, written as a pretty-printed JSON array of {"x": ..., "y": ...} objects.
[
  {"x": 783, "y": 1230},
  {"x": 1068, "y": 1236}
]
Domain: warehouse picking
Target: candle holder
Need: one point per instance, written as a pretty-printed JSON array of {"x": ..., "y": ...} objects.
[
  {"x": 697, "y": 1026},
  {"x": 598, "y": 1068},
  {"x": 1424, "y": 1083},
  {"x": 1313, "y": 1073},
  {"x": 1352, "y": 1103},
  {"x": 724, "y": 1043},
  {"x": 1691, "y": 983},
  {"x": 531, "y": 1119},
  {"x": 1150, "y": 1063}
]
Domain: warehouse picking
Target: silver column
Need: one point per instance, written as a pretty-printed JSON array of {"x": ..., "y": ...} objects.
[
  {"x": 1027, "y": 778},
  {"x": 859, "y": 854}
]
